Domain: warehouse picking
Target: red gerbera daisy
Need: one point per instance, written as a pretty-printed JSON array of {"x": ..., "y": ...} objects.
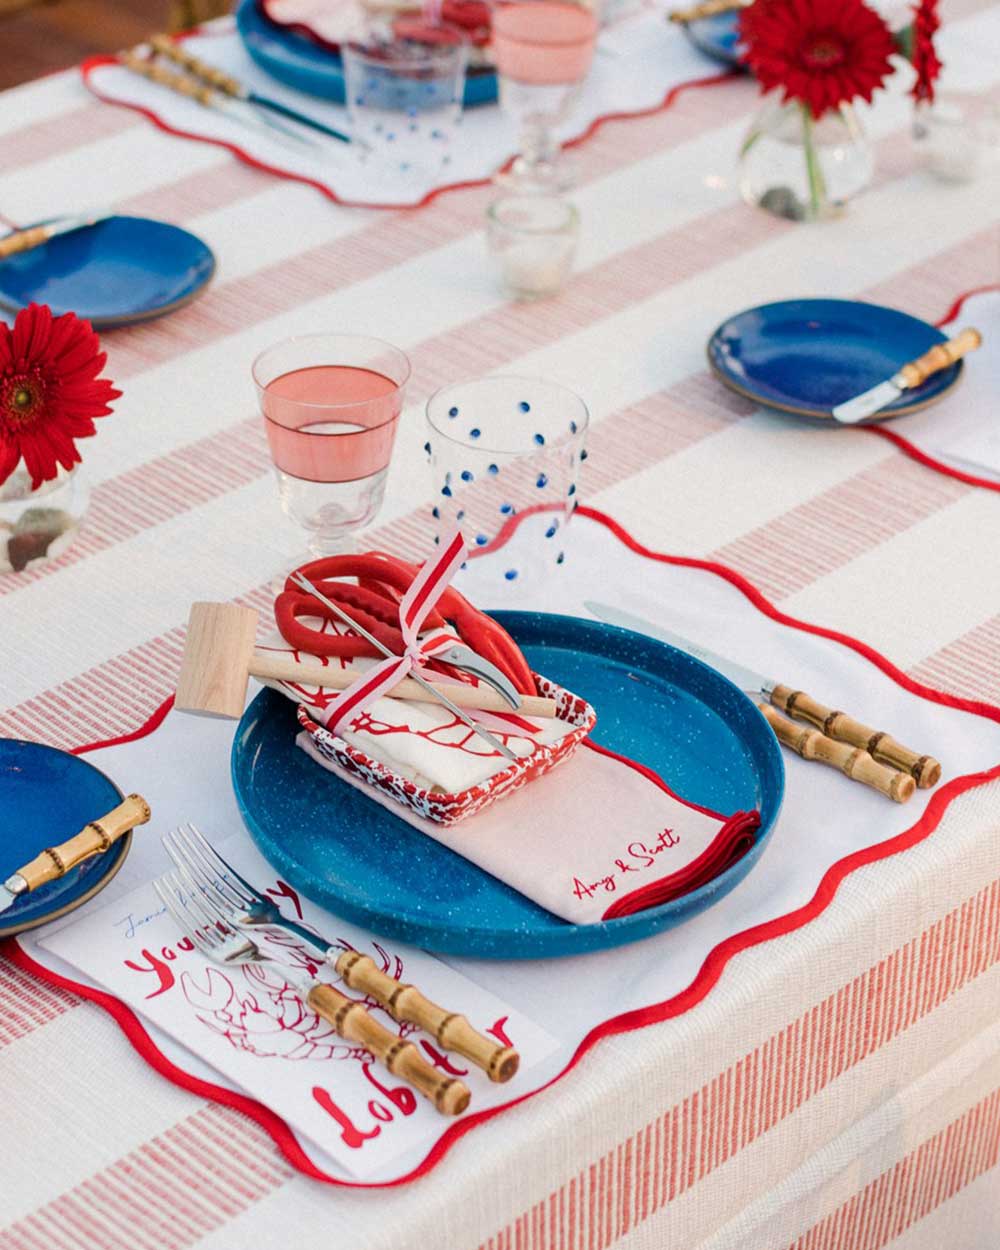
[
  {"x": 924, "y": 56},
  {"x": 49, "y": 391},
  {"x": 822, "y": 52}
]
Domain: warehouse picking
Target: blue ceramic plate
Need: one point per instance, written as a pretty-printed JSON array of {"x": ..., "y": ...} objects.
[
  {"x": 654, "y": 704},
  {"x": 716, "y": 36},
  {"x": 117, "y": 272},
  {"x": 298, "y": 62},
  {"x": 805, "y": 356},
  {"x": 46, "y": 796}
]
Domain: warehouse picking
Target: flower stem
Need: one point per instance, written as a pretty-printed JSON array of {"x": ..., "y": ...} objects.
[{"x": 817, "y": 183}]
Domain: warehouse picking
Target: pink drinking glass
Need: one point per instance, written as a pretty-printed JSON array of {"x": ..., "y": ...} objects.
[
  {"x": 331, "y": 404},
  {"x": 543, "y": 50}
]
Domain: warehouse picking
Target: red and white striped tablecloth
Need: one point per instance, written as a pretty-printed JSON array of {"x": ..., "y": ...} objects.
[{"x": 839, "y": 1088}]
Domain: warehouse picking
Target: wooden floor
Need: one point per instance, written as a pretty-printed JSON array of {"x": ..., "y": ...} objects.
[{"x": 43, "y": 37}]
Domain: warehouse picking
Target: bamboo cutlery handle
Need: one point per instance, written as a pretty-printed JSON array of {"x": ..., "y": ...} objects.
[
  {"x": 22, "y": 240},
  {"x": 180, "y": 83},
  {"x": 93, "y": 839},
  {"x": 352, "y": 1021},
  {"x": 853, "y": 762},
  {"x": 940, "y": 356},
  {"x": 405, "y": 1002},
  {"x": 164, "y": 46},
  {"x": 924, "y": 769}
]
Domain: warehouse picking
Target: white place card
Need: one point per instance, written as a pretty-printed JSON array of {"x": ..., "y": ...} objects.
[{"x": 250, "y": 1025}]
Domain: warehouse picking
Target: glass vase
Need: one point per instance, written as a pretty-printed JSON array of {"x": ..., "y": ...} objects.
[
  {"x": 801, "y": 168},
  {"x": 37, "y": 526}
]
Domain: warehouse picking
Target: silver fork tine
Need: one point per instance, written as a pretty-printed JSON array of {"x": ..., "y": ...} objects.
[
  {"x": 172, "y": 896},
  {"x": 187, "y": 856},
  {"x": 207, "y": 882},
  {"x": 196, "y": 839}
]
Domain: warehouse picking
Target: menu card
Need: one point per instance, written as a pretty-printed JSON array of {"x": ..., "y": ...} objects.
[{"x": 249, "y": 1024}]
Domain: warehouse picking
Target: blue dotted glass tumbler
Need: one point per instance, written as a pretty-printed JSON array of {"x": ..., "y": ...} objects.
[{"x": 498, "y": 447}]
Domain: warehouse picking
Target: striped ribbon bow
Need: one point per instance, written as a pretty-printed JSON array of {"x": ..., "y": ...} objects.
[{"x": 414, "y": 607}]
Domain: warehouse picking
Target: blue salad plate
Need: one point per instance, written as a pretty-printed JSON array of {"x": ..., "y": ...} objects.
[
  {"x": 46, "y": 796},
  {"x": 805, "y": 356},
  {"x": 656, "y": 704},
  {"x": 113, "y": 273},
  {"x": 717, "y": 36},
  {"x": 297, "y": 61}
]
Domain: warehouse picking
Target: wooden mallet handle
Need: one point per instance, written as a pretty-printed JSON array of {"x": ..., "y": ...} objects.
[
  {"x": 449, "y": 1030},
  {"x": 924, "y": 769},
  {"x": 940, "y": 356},
  {"x": 313, "y": 673},
  {"x": 853, "y": 762},
  {"x": 22, "y": 240},
  {"x": 93, "y": 839},
  {"x": 401, "y": 1058}
]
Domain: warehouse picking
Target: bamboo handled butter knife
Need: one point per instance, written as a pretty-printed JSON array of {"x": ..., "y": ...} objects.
[
  {"x": 93, "y": 839},
  {"x": 924, "y": 770},
  {"x": 911, "y": 375}
]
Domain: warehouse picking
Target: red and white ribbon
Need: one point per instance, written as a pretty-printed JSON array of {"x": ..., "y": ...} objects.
[{"x": 414, "y": 608}]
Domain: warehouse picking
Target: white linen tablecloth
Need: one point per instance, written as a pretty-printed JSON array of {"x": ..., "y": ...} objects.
[{"x": 858, "y": 1136}]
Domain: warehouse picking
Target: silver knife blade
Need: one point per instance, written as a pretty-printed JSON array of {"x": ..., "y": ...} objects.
[
  {"x": 751, "y": 682},
  {"x": 12, "y": 889},
  {"x": 851, "y": 411}
]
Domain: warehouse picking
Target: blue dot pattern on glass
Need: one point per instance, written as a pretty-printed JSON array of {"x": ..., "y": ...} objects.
[
  {"x": 453, "y": 412},
  {"x": 572, "y": 427},
  {"x": 551, "y": 531},
  {"x": 427, "y": 448},
  {"x": 510, "y": 574},
  {"x": 524, "y": 406},
  {"x": 542, "y": 481},
  {"x": 560, "y": 557},
  {"x": 493, "y": 468},
  {"x": 435, "y": 512},
  {"x": 467, "y": 475},
  {"x": 459, "y": 514},
  {"x": 584, "y": 454},
  {"x": 507, "y": 508},
  {"x": 446, "y": 490},
  {"x": 540, "y": 440},
  {"x": 572, "y": 489},
  {"x": 481, "y": 540},
  {"x": 437, "y": 539},
  {"x": 475, "y": 432}
]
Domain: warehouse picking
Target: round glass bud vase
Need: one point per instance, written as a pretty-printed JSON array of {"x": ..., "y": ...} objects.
[
  {"x": 37, "y": 526},
  {"x": 802, "y": 168}
]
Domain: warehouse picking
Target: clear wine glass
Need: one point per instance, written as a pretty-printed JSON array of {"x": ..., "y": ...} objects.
[
  {"x": 543, "y": 50},
  {"x": 331, "y": 404}
]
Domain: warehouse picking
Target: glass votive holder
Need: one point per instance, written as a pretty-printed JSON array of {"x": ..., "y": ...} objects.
[
  {"x": 957, "y": 137},
  {"x": 500, "y": 446},
  {"x": 533, "y": 238}
]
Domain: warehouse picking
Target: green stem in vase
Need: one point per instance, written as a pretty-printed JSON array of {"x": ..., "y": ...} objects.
[{"x": 817, "y": 183}]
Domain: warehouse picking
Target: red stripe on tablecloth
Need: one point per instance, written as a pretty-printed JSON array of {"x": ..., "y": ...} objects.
[
  {"x": 834, "y": 1028},
  {"x": 26, "y": 1004},
  {"x": 166, "y": 1194},
  {"x": 713, "y": 965},
  {"x": 40, "y": 141},
  {"x": 915, "y": 1186},
  {"x": 970, "y": 665}
]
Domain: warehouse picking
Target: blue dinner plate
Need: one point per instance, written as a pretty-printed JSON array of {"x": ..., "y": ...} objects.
[
  {"x": 298, "y": 62},
  {"x": 46, "y": 796},
  {"x": 718, "y": 37},
  {"x": 119, "y": 271},
  {"x": 805, "y": 356},
  {"x": 654, "y": 703}
]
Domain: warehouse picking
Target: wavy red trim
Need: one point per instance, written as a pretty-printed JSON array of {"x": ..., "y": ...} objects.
[
  {"x": 96, "y": 62},
  {"x": 911, "y": 449},
  {"x": 708, "y": 974}
]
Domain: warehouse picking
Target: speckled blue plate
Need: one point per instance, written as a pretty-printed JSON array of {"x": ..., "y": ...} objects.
[
  {"x": 298, "y": 62},
  {"x": 654, "y": 703},
  {"x": 46, "y": 796},
  {"x": 718, "y": 37},
  {"x": 805, "y": 356}
]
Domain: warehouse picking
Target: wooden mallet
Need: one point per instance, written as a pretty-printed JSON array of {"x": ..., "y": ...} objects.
[{"x": 219, "y": 660}]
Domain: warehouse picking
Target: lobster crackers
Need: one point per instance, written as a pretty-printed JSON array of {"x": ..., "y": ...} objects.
[{"x": 420, "y": 755}]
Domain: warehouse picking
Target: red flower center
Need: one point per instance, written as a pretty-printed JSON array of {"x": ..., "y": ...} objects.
[
  {"x": 22, "y": 396},
  {"x": 823, "y": 52}
]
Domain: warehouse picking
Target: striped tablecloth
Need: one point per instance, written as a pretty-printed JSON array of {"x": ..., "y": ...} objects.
[{"x": 840, "y": 1086}]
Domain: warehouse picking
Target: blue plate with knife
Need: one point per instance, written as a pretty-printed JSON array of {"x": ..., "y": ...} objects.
[
  {"x": 295, "y": 60},
  {"x": 47, "y": 796},
  {"x": 348, "y": 853},
  {"x": 807, "y": 356},
  {"x": 111, "y": 271},
  {"x": 718, "y": 36}
]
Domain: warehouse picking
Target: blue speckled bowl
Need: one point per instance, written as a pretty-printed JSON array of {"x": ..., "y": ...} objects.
[{"x": 654, "y": 703}]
